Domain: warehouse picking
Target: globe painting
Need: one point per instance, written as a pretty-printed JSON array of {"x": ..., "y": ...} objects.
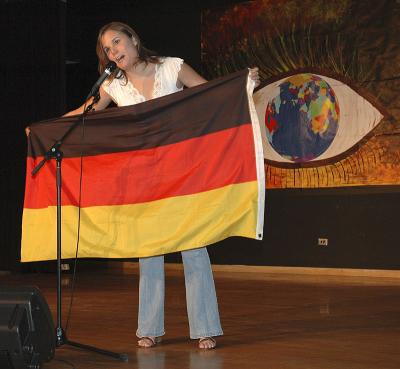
[{"x": 302, "y": 119}]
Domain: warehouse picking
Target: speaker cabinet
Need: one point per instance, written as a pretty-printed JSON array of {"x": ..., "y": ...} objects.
[{"x": 27, "y": 333}]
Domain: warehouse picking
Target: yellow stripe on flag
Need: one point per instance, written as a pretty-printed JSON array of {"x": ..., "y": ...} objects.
[{"x": 146, "y": 229}]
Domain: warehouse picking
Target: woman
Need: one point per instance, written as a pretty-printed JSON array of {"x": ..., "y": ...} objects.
[{"x": 141, "y": 76}]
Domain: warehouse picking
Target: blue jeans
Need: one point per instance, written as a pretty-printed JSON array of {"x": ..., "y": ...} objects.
[{"x": 201, "y": 299}]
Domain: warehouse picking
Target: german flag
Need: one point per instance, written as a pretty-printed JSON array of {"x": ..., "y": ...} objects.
[{"x": 175, "y": 173}]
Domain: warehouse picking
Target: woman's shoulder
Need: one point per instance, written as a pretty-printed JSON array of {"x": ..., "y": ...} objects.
[
  {"x": 171, "y": 62},
  {"x": 169, "y": 58}
]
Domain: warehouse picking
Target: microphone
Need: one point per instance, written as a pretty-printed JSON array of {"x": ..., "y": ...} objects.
[{"x": 110, "y": 67}]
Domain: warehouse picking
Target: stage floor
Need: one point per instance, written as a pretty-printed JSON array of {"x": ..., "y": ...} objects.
[{"x": 277, "y": 322}]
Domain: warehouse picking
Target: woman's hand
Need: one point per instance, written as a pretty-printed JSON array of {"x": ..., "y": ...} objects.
[
  {"x": 27, "y": 131},
  {"x": 254, "y": 75}
]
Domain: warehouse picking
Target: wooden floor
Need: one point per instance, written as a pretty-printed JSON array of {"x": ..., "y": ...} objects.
[{"x": 271, "y": 322}]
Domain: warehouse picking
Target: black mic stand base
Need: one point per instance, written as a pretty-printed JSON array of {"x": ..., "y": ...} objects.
[{"x": 62, "y": 340}]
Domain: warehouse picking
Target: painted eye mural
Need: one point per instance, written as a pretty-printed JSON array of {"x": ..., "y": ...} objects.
[
  {"x": 309, "y": 118},
  {"x": 329, "y": 101}
]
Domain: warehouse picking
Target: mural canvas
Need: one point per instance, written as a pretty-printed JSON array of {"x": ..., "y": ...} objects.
[{"x": 328, "y": 102}]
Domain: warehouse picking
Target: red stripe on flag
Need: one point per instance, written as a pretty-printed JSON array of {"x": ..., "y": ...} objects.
[{"x": 195, "y": 165}]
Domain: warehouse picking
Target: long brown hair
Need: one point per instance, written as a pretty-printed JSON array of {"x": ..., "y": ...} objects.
[{"x": 144, "y": 55}]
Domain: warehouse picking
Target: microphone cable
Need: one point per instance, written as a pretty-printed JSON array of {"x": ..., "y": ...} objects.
[
  {"x": 72, "y": 288},
  {"x": 110, "y": 67}
]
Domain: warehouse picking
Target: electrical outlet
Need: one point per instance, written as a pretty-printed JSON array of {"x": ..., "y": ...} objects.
[
  {"x": 322, "y": 242},
  {"x": 65, "y": 267}
]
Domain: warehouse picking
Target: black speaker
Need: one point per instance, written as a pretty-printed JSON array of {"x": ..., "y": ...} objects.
[{"x": 27, "y": 333}]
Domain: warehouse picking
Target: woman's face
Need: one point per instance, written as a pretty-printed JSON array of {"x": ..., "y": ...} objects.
[{"x": 120, "y": 48}]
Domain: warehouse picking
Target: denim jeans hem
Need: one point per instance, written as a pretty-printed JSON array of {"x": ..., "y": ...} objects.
[
  {"x": 158, "y": 334},
  {"x": 197, "y": 336}
]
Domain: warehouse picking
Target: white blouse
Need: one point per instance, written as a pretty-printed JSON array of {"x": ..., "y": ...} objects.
[{"x": 165, "y": 83}]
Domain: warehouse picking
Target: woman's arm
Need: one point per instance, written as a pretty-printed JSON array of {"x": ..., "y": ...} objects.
[
  {"x": 103, "y": 102},
  {"x": 189, "y": 77}
]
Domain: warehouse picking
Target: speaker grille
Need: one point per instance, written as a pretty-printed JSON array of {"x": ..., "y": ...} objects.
[
  {"x": 5, "y": 360},
  {"x": 27, "y": 333}
]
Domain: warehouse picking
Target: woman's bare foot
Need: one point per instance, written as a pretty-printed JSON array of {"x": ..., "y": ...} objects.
[
  {"x": 207, "y": 343},
  {"x": 147, "y": 342}
]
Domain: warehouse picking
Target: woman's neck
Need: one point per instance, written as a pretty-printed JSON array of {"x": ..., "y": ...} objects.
[{"x": 140, "y": 68}]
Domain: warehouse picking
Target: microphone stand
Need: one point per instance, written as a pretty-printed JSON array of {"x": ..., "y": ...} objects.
[{"x": 55, "y": 153}]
